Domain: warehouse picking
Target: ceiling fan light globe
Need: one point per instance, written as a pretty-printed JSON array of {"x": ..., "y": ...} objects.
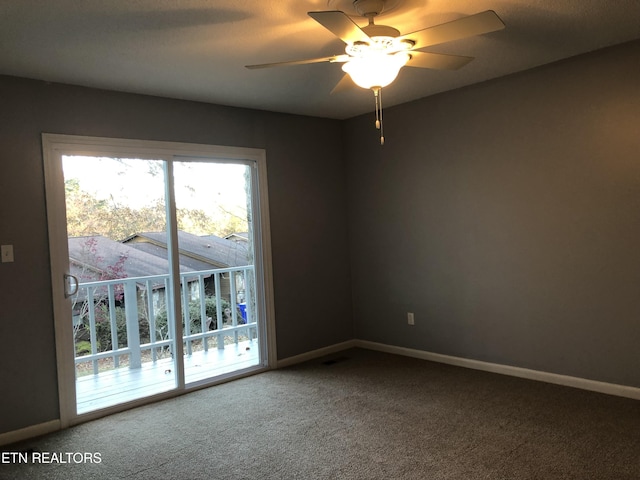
[{"x": 375, "y": 71}]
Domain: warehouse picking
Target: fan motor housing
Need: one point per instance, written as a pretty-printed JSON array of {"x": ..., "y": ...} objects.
[
  {"x": 374, "y": 30},
  {"x": 368, "y": 8}
]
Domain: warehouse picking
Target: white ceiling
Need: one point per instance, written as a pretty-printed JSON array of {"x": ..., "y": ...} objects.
[{"x": 197, "y": 49}]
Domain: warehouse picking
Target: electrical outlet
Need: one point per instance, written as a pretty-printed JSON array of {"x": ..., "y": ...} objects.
[{"x": 410, "y": 318}]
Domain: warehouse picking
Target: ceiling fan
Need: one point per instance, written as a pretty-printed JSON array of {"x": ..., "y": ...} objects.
[{"x": 374, "y": 54}]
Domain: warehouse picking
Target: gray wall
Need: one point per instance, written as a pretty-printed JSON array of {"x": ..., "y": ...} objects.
[
  {"x": 506, "y": 215},
  {"x": 307, "y": 194}
]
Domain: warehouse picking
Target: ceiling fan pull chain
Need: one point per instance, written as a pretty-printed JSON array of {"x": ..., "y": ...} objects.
[
  {"x": 377, "y": 93},
  {"x": 381, "y": 127}
]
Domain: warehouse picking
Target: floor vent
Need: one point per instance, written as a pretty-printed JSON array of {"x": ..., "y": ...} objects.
[{"x": 333, "y": 361}]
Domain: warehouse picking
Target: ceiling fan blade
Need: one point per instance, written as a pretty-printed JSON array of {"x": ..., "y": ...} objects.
[
  {"x": 437, "y": 61},
  {"x": 477, "y": 24},
  {"x": 341, "y": 26},
  {"x": 332, "y": 59},
  {"x": 344, "y": 84}
]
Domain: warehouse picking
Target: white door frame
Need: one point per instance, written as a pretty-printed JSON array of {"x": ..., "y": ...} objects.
[{"x": 54, "y": 146}]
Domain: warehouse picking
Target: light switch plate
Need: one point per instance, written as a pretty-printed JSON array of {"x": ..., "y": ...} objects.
[
  {"x": 411, "y": 320},
  {"x": 6, "y": 253}
]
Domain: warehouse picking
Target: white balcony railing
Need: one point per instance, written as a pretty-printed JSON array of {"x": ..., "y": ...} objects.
[{"x": 212, "y": 313}]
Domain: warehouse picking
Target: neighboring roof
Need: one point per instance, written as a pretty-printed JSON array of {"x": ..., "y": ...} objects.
[
  {"x": 238, "y": 237},
  {"x": 86, "y": 265},
  {"x": 146, "y": 254},
  {"x": 210, "y": 249},
  {"x": 186, "y": 262}
]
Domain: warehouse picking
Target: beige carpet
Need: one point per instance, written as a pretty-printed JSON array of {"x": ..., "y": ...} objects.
[{"x": 359, "y": 415}]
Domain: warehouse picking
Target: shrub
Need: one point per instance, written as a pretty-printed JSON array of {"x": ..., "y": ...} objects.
[
  {"x": 103, "y": 324},
  {"x": 83, "y": 348},
  {"x": 103, "y": 327},
  {"x": 211, "y": 311}
]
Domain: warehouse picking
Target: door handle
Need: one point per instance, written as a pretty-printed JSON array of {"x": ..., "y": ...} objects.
[{"x": 70, "y": 285}]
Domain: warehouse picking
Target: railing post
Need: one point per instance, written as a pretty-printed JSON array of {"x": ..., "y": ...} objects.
[
  {"x": 133, "y": 327},
  {"x": 92, "y": 328},
  {"x": 204, "y": 326},
  {"x": 111, "y": 292},
  {"x": 151, "y": 318},
  {"x": 248, "y": 293},
  {"x": 219, "y": 316},
  {"x": 185, "y": 313},
  {"x": 234, "y": 304}
]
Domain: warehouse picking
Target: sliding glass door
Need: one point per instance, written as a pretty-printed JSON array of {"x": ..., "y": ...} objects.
[{"x": 158, "y": 268}]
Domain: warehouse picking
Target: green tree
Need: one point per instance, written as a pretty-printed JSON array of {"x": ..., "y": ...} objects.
[{"x": 88, "y": 215}]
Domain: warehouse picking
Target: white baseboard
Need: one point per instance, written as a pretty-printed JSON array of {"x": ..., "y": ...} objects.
[
  {"x": 568, "y": 381},
  {"x": 565, "y": 380},
  {"x": 29, "y": 432},
  {"x": 321, "y": 352}
]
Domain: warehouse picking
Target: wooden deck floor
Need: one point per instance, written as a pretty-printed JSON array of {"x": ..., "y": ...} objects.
[{"x": 120, "y": 385}]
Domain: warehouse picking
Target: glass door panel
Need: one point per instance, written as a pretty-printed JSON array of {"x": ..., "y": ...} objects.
[
  {"x": 215, "y": 241},
  {"x": 123, "y": 328}
]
